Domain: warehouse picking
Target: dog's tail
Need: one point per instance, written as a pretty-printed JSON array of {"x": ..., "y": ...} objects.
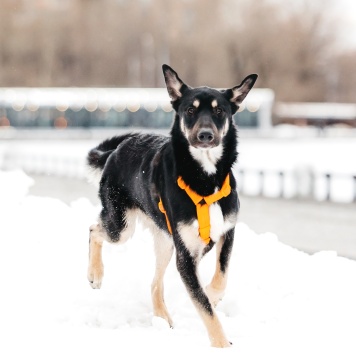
[{"x": 98, "y": 156}]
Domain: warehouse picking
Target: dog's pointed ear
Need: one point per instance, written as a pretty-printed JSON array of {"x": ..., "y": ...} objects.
[
  {"x": 175, "y": 85},
  {"x": 238, "y": 93}
]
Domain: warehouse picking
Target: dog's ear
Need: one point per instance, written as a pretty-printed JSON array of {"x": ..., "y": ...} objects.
[
  {"x": 175, "y": 85},
  {"x": 238, "y": 93}
]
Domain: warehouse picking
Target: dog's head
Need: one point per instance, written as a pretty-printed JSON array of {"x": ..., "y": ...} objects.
[{"x": 205, "y": 114}]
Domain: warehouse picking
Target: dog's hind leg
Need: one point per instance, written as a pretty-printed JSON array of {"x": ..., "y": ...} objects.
[
  {"x": 96, "y": 268},
  {"x": 163, "y": 249},
  {"x": 215, "y": 290},
  {"x": 121, "y": 228}
]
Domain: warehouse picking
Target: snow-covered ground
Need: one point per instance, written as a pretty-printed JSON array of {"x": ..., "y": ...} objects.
[{"x": 278, "y": 301}]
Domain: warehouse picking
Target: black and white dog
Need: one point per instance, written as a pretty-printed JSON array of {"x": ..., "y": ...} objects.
[{"x": 182, "y": 187}]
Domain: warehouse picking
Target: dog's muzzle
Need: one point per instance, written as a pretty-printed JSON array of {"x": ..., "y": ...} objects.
[{"x": 204, "y": 137}]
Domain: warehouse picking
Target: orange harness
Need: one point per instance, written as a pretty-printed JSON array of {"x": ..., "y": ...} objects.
[{"x": 202, "y": 204}]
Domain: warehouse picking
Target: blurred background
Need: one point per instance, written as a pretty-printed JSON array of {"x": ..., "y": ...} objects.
[{"x": 73, "y": 72}]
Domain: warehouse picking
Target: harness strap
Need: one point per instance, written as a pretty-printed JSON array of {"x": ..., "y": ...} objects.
[
  {"x": 161, "y": 208},
  {"x": 202, "y": 204}
]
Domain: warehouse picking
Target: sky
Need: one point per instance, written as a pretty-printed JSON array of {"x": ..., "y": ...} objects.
[
  {"x": 345, "y": 17},
  {"x": 341, "y": 15}
]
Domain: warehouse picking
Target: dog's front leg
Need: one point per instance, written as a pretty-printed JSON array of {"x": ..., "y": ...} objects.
[
  {"x": 187, "y": 267},
  {"x": 216, "y": 289}
]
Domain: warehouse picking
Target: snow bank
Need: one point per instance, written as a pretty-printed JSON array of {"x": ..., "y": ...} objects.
[{"x": 278, "y": 301}]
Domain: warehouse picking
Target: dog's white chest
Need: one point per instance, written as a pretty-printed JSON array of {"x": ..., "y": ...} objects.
[{"x": 219, "y": 225}]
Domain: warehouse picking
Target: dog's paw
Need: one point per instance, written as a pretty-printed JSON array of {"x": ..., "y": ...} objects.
[
  {"x": 162, "y": 316},
  {"x": 95, "y": 276},
  {"x": 214, "y": 295},
  {"x": 160, "y": 323},
  {"x": 221, "y": 343}
]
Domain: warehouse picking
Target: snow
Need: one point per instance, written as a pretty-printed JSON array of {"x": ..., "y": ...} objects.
[{"x": 278, "y": 300}]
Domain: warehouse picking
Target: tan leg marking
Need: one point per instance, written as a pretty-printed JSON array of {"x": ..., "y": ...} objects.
[
  {"x": 163, "y": 250},
  {"x": 95, "y": 268},
  {"x": 216, "y": 289},
  {"x": 96, "y": 237},
  {"x": 215, "y": 331}
]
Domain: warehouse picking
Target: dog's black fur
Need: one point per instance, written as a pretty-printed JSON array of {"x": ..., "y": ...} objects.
[{"x": 139, "y": 169}]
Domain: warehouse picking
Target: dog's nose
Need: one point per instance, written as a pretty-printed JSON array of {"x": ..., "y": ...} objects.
[{"x": 205, "y": 135}]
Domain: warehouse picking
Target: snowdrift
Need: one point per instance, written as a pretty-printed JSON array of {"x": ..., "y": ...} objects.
[{"x": 278, "y": 300}]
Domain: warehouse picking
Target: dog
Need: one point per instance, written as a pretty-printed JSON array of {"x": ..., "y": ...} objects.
[{"x": 182, "y": 187}]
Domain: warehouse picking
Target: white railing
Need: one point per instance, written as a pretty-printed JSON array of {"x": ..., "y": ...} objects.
[
  {"x": 68, "y": 160},
  {"x": 321, "y": 186}
]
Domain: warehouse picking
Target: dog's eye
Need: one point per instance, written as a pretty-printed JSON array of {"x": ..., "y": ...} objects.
[{"x": 190, "y": 110}]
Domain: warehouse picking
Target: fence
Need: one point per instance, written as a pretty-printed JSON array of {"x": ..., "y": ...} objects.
[
  {"x": 321, "y": 186},
  {"x": 63, "y": 160}
]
